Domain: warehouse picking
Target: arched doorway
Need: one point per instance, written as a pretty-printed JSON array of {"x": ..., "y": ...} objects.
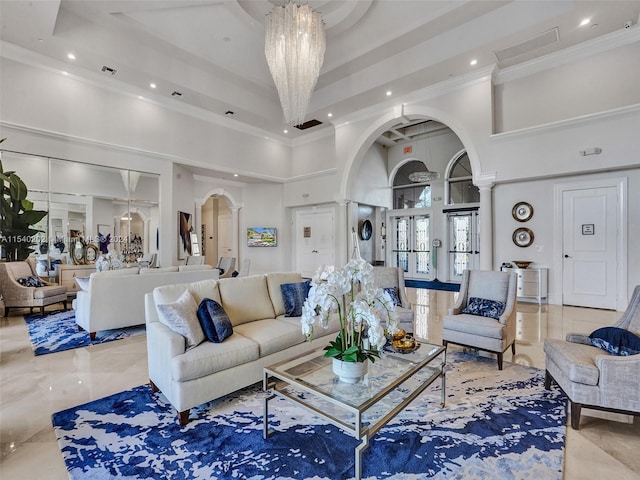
[
  {"x": 219, "y": 223},
  {"x": 417, "y": 229}
]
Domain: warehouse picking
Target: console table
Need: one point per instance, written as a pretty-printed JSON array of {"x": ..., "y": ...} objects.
[
  {"x": 532, "y": 282},
  {"x": 69, "y": 272}
]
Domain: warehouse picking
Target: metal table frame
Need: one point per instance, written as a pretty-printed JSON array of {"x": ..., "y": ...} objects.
[{"x": 275, "y": 382}]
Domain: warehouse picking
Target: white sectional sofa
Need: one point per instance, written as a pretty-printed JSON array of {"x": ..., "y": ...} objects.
[
  {"x": 262, "y": 335},
  {"x": 115, "y": 298}
]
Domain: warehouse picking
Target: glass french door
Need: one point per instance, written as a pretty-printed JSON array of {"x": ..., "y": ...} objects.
[
  {"x": 411, "y": 245},
  {"x": 464, "y": 249}
]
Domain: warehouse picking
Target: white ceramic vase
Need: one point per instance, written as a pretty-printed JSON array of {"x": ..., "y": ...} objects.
[{"x": 350, "y": 372}]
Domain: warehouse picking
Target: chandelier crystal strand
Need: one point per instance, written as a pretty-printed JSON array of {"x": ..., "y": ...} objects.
[{"x": 294, "y": 46}]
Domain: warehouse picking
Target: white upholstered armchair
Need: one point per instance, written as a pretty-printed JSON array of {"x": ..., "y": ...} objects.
[
  {"x": 16, "y": 295},
  {"x": 493, "y": 331},
  {"x": 593, "y": 378},
  {"x": 393, "y": 277}
]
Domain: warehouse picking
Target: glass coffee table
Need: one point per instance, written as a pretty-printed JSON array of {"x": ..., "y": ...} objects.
[{"x": 359, "y": 409}]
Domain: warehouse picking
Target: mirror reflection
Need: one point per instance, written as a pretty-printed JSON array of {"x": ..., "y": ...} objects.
[{"x": 93, "y": 210}]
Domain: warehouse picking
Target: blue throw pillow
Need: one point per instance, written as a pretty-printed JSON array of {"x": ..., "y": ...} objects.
[
  {"x": 214, "y": 321},
  {"x": 393, "y": 293},
  {"x": 293, "y": 297},
  {"x": 30, "y": 282},
  {"x": 616, "y": 341},
  {"x": 484, "y": 307}
]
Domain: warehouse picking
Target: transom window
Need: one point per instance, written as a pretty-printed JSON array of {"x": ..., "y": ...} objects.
[
  {"x": 459, "y": 182},
  {"x": 407, "y": 194}
]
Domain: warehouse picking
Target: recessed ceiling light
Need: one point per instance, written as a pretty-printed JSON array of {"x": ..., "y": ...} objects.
[
  {"x": 65, "y": 73},
  {"x": 286, "y": 131},
  {"x": 152, "y": 85},
  {"x": 140, "y": 97},
  {"x": 388, "y": 93},
  {"x": 584, "y": 22},
  {"x": 473, "y": 62},
  {"x": 329, "y": 114},
  {"x": 235, "y": 174},
  {"x": 71, "y": 56}
]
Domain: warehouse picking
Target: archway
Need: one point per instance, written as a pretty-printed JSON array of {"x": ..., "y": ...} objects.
[
  {"x": 217, "y": 224},
  {"x": 354, "y": 143}
]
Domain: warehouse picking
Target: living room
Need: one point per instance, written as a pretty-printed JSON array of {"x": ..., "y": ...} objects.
[{"x": 564, "y": 121}]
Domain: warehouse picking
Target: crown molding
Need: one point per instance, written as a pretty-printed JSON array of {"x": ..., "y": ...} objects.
[
  {"x": 570, "y": 122},
  {"x": 306, "y": 176},
  {"x": 604, "y": 43}
]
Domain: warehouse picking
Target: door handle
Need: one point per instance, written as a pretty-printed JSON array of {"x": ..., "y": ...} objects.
[{"x": 566, "y": 256}]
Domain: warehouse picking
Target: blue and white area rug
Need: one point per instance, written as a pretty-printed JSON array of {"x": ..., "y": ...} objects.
[
  {"x": 496, "y": 425},
  {"x": 58, "y": 331}
]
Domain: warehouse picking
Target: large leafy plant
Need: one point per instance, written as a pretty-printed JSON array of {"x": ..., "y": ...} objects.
[{"x": 17, "y": 216}]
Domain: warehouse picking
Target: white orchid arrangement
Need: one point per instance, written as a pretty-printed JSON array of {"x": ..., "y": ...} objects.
[{"x": 360, "y": 307}]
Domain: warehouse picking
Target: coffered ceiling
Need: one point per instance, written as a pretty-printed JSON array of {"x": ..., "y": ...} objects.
[{"x": 210, "y": 54}]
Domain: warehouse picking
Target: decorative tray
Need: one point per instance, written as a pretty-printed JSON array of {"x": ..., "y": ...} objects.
[{"x": 399, "y": 348}]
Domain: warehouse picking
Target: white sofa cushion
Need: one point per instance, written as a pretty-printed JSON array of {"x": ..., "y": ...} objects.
[
  {"x": 271, "y": 335},
  {"x": 117, "y": 272},
  {"x": 210, "y": 358},
  {"x": 181, "y": 317},
  {"x": 148, "y": 271},
  {"x": 274, "y": 280},
  {"x": 190, "y": 268},
  {"x": 245, "y": 299},
  {"x": 199, "y": 290}
]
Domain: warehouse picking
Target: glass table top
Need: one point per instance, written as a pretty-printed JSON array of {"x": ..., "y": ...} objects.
[{"x": 314, "y": 372}]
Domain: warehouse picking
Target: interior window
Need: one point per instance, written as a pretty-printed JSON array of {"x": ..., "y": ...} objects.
[
  {"x": 459, "y": 182},
  {"x": 409, "y": 194}
]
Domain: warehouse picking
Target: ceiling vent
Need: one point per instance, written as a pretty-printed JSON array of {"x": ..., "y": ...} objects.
[
  {"x": 309, "y": 124},
  {"x": 547, "y": 38},
  {"x": 109, "y": 70}
]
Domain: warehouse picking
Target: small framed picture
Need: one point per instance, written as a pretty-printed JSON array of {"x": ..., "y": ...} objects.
[{"x": 262, "y": 237}]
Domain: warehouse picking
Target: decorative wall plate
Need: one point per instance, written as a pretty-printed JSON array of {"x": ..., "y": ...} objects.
[
  {"x": 522, "y": 211},
  {"x": 522, "y": 237},
  {"x": 366, "y": 230}
]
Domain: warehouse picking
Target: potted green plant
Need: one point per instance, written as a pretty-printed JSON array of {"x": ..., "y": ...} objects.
[
  {"x": 17, "y": 216},
  {"x": 360, "y": 307}
]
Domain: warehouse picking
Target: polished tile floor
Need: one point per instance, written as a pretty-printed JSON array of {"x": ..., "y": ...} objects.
[{"x": 32, "y": 388}]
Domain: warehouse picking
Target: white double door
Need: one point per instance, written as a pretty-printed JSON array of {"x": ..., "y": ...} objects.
[{"x": 411, "y": 245}]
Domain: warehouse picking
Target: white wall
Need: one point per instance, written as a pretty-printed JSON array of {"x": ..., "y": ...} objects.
[
  {"x": 540, "y": 194},
  {"x": 371, "y": 184},
  {"x": 569, "y": 90},
  {"x": 315, "y": 155},
  {"x": 263, "y": 207}
]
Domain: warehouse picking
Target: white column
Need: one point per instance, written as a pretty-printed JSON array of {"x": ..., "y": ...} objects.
[
  {"x": 485, "y": 183},
  {"x": 235, "y": 227}
]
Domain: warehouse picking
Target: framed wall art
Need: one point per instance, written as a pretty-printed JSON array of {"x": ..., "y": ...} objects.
[
  {"x": 184, "y": 235},
  {"x": 262, "y": 237}
]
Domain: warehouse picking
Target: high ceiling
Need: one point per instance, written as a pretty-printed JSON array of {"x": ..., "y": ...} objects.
[{"x": 212, "y": 52}]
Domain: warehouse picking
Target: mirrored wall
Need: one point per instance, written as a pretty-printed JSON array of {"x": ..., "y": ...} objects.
[{"x": 92, "y": 210}]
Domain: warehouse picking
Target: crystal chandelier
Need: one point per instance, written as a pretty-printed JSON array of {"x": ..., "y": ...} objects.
[
  {"x": 423, "y": 177},
  {"x": 294, "y": 47}
]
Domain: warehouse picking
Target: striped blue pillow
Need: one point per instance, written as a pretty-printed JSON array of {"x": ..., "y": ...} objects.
[{"x": 293, "y": 297}]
